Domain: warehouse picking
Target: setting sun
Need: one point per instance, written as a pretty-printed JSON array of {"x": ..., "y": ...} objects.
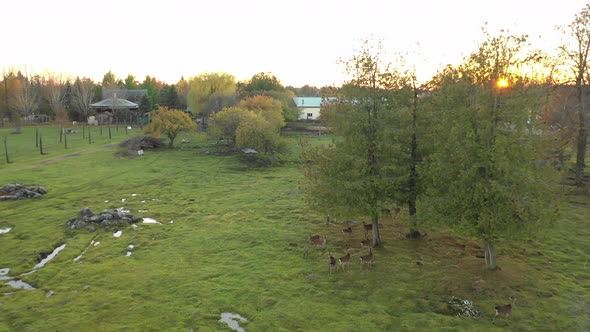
[{"x": 502, "y": 83}]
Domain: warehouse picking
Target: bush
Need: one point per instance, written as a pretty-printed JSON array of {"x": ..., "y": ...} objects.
[{"x": 256, "y": 133}]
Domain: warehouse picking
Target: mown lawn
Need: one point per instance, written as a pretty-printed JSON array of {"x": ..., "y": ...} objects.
[{"x": 236, "y": 245}]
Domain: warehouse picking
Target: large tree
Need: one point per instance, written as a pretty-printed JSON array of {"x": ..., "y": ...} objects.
[
  {"x": 226, "y": 123},
  {"x": 131, "y": 82},
  {"x": 81, "y": 96},
  {"x": 169, "y": 97},
  {"x": 263, "y": 82},
  {"x": 209, "y": 93},
  {"x": 169, "y": 122},
  {"x": 55, "y": 94},
  {"x": 9, "y": 84},
  {"x": 269, "y": 108},
  {"x": 576, "y": 53},
  {"x": 25, "y": 97},
  {"x": 486, "y": 178},
  {"x": 352, "y": 176},
  {"x": 152, "y": 85},
  {"x": 110, "y": 81}
]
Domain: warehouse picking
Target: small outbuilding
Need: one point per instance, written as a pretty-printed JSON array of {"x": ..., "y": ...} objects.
[
  {"x": 108, "y": 109},
  {"x": 36, "y": 118}
]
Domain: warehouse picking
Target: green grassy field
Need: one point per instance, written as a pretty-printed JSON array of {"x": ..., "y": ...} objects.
[{"x": 236, "y": 245}]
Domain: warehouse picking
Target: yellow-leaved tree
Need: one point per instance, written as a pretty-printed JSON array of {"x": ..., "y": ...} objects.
[
  {"x": 169, "y": 122},
  {"x": 269, "y": 108}
]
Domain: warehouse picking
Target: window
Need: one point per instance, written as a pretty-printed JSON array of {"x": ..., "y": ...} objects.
[{"x": 309, "y": 115}]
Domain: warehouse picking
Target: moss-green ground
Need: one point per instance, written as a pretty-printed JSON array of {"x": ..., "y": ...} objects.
[{"x": 236, "y": 245}]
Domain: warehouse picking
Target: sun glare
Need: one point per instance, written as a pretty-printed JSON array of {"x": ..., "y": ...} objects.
[{"x": 502, "y": 83}]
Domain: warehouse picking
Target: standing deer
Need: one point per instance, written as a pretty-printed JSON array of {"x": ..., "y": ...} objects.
[
  {"x": 318, "y": 240},
  {"x": 344, "y": 260},
  {"x": 505, "y": 310},
  {"x": 367, "y": 259},
  {"x": 332, "y": 262},
  {"x": 368, "y": 228},
  {"x": 366, "y": 242}
]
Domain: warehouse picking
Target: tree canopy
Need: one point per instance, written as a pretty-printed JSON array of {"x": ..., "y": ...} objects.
[
  {"x": 169, "y": 122},
  {"x": 486, "y": 180},
  {"x": 263, "y": 82},
  {"x": 209, "y": 93}
]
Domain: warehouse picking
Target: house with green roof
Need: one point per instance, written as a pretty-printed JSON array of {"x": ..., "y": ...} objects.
[{"x": 310, "y": 107}]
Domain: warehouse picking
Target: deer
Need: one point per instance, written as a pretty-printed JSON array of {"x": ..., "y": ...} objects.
[
  {"x": 505, "y": 310},
  {"x": 367, "y": 259},
  {"x": 344, "y": 260},
  {"x": 367, "y": 227},
  {"x": 366, "y": 242},
  {"x": 318, "y": 240},
  {"x": 347, "y": 230},
  {"x": 332, "y": 262}
]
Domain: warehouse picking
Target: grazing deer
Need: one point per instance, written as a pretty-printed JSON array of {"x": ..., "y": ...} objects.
[
  {"x": 505, "y": 310},
  {"x": 344, "y": 260},
  {"x": 367, "y": 259},
  {"x": 368, "y": 228},
  {"x": 366, "y": 242},
  {"x": 317, "y": 240},
  {"x": 347, "y": 230},
  {"x": 332, "y": 262}
]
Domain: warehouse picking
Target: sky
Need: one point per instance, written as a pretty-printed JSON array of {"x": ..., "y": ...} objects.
[{"x": 300, "y": 42}]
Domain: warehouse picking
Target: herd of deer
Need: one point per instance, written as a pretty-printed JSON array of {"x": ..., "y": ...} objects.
[
  {"x": 342, "y": 262},
  {"x": 504, "y": 310}
]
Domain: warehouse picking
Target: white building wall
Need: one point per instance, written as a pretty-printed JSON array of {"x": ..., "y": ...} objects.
[{"x": 309, "y": 113}]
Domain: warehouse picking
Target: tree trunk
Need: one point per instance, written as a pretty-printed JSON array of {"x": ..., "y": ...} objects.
[
  {"x": 582, "y": 134},
  {"x": 413, "y": 193},
  {"x": 490, "y": 256},
  {"x": 413, "y": 187},
  {"x": 6, "y": 149},
  {"x": 376, "y": 236},
  {"x": 581, "y": 147}
]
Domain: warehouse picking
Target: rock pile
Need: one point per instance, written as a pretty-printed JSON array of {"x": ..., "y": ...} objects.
[
  {"x": 14, "y": 191},
  {"x": 107, "y": 218}
]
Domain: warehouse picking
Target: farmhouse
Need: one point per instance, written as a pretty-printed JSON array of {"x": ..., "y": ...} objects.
[{"x": 310, "y": 107}]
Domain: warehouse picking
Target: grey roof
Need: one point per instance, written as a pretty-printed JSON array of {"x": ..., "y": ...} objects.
[{"x": 114, "y": 103}]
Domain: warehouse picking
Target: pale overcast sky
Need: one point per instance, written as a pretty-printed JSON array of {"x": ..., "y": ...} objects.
[{"x": 298, "y": 41}]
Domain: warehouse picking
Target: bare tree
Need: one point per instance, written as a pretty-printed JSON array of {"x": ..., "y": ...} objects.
[
  {"x": 25, "y": 98},
  {"x": 82, "y": 94},
  {"x": 55, "y": 95}
]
